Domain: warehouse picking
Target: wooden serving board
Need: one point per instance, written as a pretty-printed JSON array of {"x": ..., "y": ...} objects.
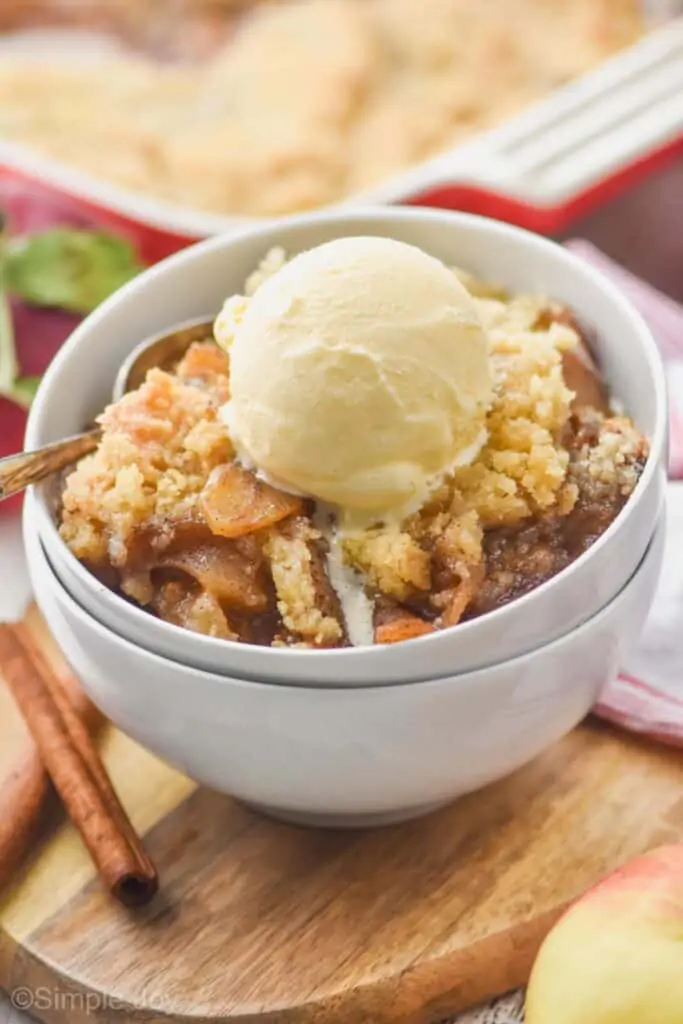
[{"x": 264, "y": 923}]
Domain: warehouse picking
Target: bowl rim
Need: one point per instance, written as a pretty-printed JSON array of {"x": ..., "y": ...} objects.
[
  {"x": 273, "y": 662},
  {"x": 472, "y": 676}
]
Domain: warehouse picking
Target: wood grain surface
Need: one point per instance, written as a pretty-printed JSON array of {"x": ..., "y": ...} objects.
[{"x": 262, "y": 922}]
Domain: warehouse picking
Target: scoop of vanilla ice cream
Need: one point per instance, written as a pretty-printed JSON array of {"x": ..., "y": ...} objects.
[{"x": 359, "y": 375}]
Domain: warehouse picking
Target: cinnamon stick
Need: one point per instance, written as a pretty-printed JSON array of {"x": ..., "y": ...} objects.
[
  {"x": 76, "y": 769},
  {"x": 24, "y": 791},
  {"x": 22, "y": 798}
]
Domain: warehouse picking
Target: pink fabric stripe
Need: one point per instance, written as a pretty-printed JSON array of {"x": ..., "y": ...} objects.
[
  {"x": 654, "y": 714},
  {"x": 664, "y": 316},
  {"x": 638, "y": 684}
]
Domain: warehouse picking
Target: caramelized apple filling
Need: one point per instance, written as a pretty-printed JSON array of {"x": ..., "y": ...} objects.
[{"x": 235, "y": 503}]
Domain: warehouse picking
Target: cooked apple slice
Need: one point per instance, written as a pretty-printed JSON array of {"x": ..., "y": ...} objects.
[
  {"x": 159, "y": 536},
  {"x": 457, "y": 599},
  {"x": 180, "y": 602},
  {"x": 582, "y": 376},
  {"x": 394, "y": 623},
  {"x": 226, "y": 573},
  {"x": 236, "y": 502},
  {"x": 456, "y": 602}
]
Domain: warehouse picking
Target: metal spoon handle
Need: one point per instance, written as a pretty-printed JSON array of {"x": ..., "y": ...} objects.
[{"x": 19, "y": 471}]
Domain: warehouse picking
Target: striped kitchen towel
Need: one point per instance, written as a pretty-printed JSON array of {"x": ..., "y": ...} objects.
[{"x": 648, "y": 695}]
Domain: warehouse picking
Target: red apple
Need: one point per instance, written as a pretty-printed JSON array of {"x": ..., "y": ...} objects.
[
  {"x": 616, "y": 957},
  {"x": 12, "y": 426},
  {"x": 39, "y": 333}
]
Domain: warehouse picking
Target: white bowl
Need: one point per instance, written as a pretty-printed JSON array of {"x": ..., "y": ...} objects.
[
  {"x": 345, "y": 756},
  {"x": 194, "y": 283}
]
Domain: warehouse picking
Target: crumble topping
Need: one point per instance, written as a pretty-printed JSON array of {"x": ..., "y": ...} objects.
[
  {"x": 611, "y": 465},
  {"x": 392, "y": 561},
  {"x": 296, "y": 562},
  {"x": 158, "y": 447}
]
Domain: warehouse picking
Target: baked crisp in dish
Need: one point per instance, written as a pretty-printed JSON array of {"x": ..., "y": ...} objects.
[
  {"x": 168, "y": 514},
  {"x": 308, "y": 100}
]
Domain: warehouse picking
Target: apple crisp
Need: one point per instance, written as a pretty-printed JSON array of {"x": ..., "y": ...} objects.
[
  {"x": 307, "y": 101},
  {"x": 164, "y": 512}
]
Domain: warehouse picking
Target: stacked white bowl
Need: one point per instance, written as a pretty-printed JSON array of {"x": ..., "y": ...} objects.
[{"x": 363, "y": 735}]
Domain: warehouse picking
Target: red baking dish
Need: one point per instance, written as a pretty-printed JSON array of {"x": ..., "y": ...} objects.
[{"x": 542, "y": 170}]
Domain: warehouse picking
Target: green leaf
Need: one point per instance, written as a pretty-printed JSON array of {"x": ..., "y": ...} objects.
[
  {"x": 69, "y": 269},
  {"x": 8, "y": 356},
  {"x": 24, "y": 390}
]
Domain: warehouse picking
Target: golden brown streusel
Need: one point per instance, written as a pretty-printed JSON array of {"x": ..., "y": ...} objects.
[
  {"x": 158, "y": 448},
  {"x": 523, "y": 465},
  {"x": 613, "y": 463},
  {"x": 392, "y": 561},
  {"x": 447, "y": 524},
  {"x": 295, "y": 561},
  {"x": 207, "y": 367}
]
